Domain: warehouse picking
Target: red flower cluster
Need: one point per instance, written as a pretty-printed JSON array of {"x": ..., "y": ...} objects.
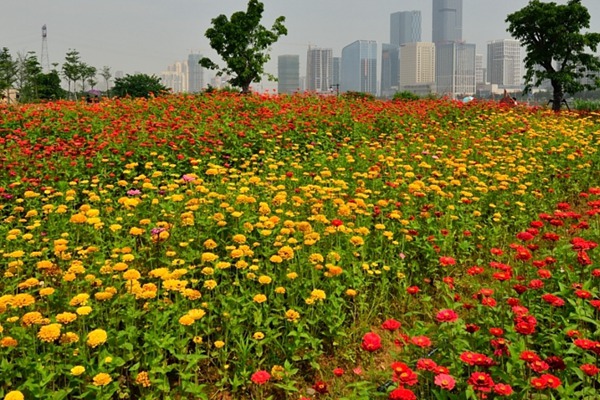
[{"x": 545, "y": 381}]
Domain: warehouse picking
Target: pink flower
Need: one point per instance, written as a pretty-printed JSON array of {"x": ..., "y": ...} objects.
[
  {"x": 445, "y": 381},
  {"x": 260, "y": 377},
  {"x": 446, "y": 315}
]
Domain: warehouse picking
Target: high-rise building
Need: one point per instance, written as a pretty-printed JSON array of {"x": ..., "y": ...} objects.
[
  {"x": 176, "y": 77},
  {"x": 504, "y": 63},
  {"x": 390, "y": 69},
  {"x": 447, "y": 21},
  {"x": 455, "y": 69},
  {"x": 359, "y": 67},
  {"x": 195, "y": 73},
  {"x": 319, "y": 69},
  {"x": 405, "y": 27},
  {"x": 480, "y": 72},
  {"x": 337, "y": 69},
  {"x": 417, "y": 65},
  {"x": 288, "y": 73}
]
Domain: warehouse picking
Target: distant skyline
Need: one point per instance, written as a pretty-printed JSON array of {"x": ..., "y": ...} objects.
[{"x": 149, "y": 35}]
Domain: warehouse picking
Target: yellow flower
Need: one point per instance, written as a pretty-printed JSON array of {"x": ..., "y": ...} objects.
[
  {"x": 79, "y": 300},
  {"x": 276, "y": 259},
  {"x": 239, "y": 239},
  {"x": 264, "y": 279},
  {"x": 260, "y": 298},
  {"x": 96, "y": 338},
  {"x": 292, "y": 275},
  {"x": 280, "y": 290},
  {"x": 77, "y": 370},
  {"x": 66, "y": 317},
  {"x": 258, "y": 336},
  {"x": 197, "y": 339},
  {"x": 69, "y": 337},
  {"x": 8, "y": 341},
  {"x": 219, "y": 343},
  {"x": 102, "y": 379},
  {"x": 30, "y": 318},
  {"x": 186, "y": 320},
  {"x": 14, "y": 395},
  {"x": 84, "y": 310},
  {"x": 210, "y": 284},
  {"x": 357, "y": 240},
  {"x": 49, "y": 333},
  {"x": 351, "y": 292},
  {"x": 134, "y": 231},
  {"x": 22, "y": 300},
  {"x": 318, "y": 294},
  {"x": 286, "y": 253},
  {"x": 210, "y": 244},
  {"x": 46, "y": 291},
  {"x": 196, "y": 313},
  {"x": 131, "y": 274},
  {"x": 292, "y": 315}
]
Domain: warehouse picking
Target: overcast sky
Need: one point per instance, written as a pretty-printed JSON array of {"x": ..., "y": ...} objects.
[{"x": 148, "y": 35}]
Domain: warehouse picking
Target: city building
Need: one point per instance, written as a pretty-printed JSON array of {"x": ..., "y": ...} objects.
[
  {"x": 455, "y": 69},
  {"x": 447, "y": 21},
  {"x": 405, "y": 27},
  {"x": 288, "y": 73},
  {"x": 176, "y": 77},
  {"x": 390, "y": 69},
  {"x": 195, "y": 73},
  {"x": 480, "y": 71},
  {"x": 359, "y": 67},
  {"x": 319, "y": 69},
  {"x": 417, "y": 67},
  {"x": 504, "y": 63},
  {"x": 337, "y": 70}
]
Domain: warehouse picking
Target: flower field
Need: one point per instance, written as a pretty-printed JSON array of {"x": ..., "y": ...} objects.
[{"x": 298, "y": 247}]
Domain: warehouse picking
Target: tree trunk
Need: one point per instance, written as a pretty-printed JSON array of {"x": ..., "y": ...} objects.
[{"x": 557, "y": 97}]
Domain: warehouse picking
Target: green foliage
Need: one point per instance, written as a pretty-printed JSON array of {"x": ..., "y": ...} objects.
[
  {"x": 243, "y": 43},
  {"x": 358, "y": 95},
  {"x": 8, "y": 70},
  {"x": 405, "y": 95},
  {"x": 48, "y": 86},
  {"x": 555, "y": 46},
  {"x": 138, "y": 85}
]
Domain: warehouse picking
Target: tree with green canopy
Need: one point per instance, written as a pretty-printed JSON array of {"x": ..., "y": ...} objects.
[
  {"x": 556, "y": 47},
  {"x": 243, "y": 44},
  {"x": 138, "y": 85},
  {"x": 8, "y": 72}
]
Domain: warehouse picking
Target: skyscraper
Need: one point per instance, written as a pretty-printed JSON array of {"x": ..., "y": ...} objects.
[
  {"x": 390, "y": 69},
  {"x": 417, "y": 66},
  {"x": 319, "y": 69},
  {"x": 455, "y": 69},
  {"x": 359, "y": 67},
  {"x": 288, "y": 73},
  {"x": 195, "y": 73},
  {"x": 447, "y": 21},
  {"x": 405, "y": 27},
  {"x": 504, "y": 62}
]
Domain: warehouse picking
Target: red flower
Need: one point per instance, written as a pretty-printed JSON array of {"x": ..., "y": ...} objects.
[
  {"x": 338, "y": 371},
  {"x": 446, "y": 315},
  {"x": 496, "y": 251},
  {"x": 426, "y": 364},
  {"x": 481, "y": 381},
  {"x": 390, "y": 325},
  {"x": 589, "y": 369},
  {"x": 445, "y": 261},
  {"x": 401, "y": 393},
  {"x": 421, "y": 341},
  {"x": 413, "y": 290},
  {"x": 497, "y": 331},
  {"x": 503, "y": 389},
  {"x": 337, "y": 222},
  {"x": 371, "y": 341},
  {"x": 399, "y": 367},
  {"x": 538, "y": 383},
  {"x": 260, "y": 377},
  {"x": 320, "y": 387},
  {"x": 539, "y": 366},
  {"x": 475, "y": 270},
  {"x": 407, "y": 377},
  {"x": 525, "y": 325},
  {"x": 551, "y": 380},
  {"x": 445, "y": 381},
  {"x": 471, "y": 328},
  {"x": 556, "y": 363}
]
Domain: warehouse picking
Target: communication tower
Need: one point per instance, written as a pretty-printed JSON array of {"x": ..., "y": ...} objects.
[{"x": 44, "y": 59}]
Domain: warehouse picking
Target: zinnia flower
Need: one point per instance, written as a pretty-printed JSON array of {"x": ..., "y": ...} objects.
[
  {"x": 446, "y": 315},
  {"x": 49, "y": 333},
  {"x": 445, "y": 381},
  {"x": 96, "y": 337},
  {"x": 14, "y": 395},
  {"x": 390, "y": 325},
  {"x": 102, "y": 379},
  {"x": 401, "y": 393},
  {"x": 77, "y": 370},
  {"x": 371, "y": 342},
  {"x": 260, "y": 377}
]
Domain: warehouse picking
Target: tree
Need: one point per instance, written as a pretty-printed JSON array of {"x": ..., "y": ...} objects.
[
  {"x": 106, "y": 74},
  {"x": 243, "y": 44},
  {"x": 71, "y": 70},
  {"x": 28, "y": 75},
  {"x": 138, "y": 85},
  {"x": 556, "y": 48},
  {"x": 8, "y": 72}
]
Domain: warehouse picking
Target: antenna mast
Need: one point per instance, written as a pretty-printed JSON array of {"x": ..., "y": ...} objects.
[{"x": 44, "y": 59}]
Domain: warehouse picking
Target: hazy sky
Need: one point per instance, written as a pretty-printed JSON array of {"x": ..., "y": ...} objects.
[{"x": 149, "y": 35}]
